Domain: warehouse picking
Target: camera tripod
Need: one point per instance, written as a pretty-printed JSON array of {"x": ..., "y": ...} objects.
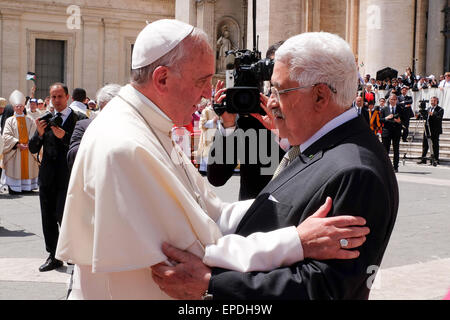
[
  {"x": 412, "y": 136},
  {"x": 427, "y": 135}
]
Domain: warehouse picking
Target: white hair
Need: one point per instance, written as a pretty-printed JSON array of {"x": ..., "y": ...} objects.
[
  {"x": 105, "y": 94},
  {"x": 321, "y": 57},
  {"x": 173, "y": 58}
]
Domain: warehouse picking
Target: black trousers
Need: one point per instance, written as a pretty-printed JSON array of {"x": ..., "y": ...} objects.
[
  {"x": 435, "y": 144},
  {"x": 395, "y": 145},
  {"x": 52, "y": 198},
  {"x": 405, "y": 129}
]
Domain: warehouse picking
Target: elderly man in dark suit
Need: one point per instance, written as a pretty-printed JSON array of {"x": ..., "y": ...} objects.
[
  {"x": 435, "y": 114},
  {"x": 334, "y": 154},
  {"x": 54, "y": 173}
]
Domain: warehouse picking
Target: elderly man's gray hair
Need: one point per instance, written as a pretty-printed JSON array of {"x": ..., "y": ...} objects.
[
  {"x": 105, "y": 94},
  {"x": 171, "y": 59},
  {"x": 321, "y": 57}
]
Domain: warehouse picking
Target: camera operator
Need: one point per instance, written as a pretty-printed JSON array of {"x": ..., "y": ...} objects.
[
  {"x": 405, "y": 102},
  {"x": 433, "y": 128},
  {"x": 391, "y": 119},
  {"x": 251, "y": 181},
  {"x": 53, "y": 135}
]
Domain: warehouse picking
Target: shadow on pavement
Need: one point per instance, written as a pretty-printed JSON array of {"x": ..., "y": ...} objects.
[{"x": 14, "y": 233}]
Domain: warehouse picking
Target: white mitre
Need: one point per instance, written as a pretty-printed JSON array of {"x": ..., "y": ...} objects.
[{"x": 17, "y": 98}]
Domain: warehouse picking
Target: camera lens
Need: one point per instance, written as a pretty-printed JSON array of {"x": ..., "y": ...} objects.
[{"x": 244, "y": 101}]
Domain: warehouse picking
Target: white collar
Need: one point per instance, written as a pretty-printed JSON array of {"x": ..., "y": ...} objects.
[
  {"x": 78, "y": 106},
  {"x": 331, "y": 125}
]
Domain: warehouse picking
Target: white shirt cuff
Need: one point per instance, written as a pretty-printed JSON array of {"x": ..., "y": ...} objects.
[{"x": 257, "y": 252}]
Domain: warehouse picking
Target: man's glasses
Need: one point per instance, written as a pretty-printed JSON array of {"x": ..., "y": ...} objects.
[{"x": 276, "y": 93}]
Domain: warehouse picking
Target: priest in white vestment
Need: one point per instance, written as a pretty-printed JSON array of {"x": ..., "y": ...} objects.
[
  {"x": 132, "y": 188},
  {"x": 20, "y": 166}
]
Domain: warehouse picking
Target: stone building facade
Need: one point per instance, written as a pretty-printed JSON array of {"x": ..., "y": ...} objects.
[{"x": 89, "y": 43}]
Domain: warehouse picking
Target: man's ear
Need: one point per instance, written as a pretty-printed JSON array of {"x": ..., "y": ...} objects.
[
  {"x": 159, "y": 79},
  {"x": 321, "y": 96}
]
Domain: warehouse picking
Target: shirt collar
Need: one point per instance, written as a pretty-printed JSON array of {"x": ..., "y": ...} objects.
[{"x": 331, "y": 125}]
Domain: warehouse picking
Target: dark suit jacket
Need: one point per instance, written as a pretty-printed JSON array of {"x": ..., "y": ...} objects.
[
  {"x": 75, "y": 141},
  {"x": 351, "y": 166},
  {"x": 407, "y": 113},
  {"x": 435, "y": 121},
  {"x": 7, "y": 112},
  {"x": 252, "y": 181},
  {"x": 390, "y": 127},
  {"x": 54, "y": 168}
]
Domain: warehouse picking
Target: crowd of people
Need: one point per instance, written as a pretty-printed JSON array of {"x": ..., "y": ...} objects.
[
  {"x": 37, "y": 144},
  {"x": 138, "y": 221},
  {"x": 390, "y": 121}
]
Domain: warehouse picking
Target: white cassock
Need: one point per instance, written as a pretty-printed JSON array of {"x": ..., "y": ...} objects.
[{"x": 129, "y": 192}]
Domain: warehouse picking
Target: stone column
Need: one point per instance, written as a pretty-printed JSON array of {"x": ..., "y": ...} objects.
[
  {"x": 421, "y": 41},
  {"x": 91, "y": 75},
  {"x": 112, "y": 51},
  {"x": 386, "y": 35},
  {"x": 436, "y": 39},
  {"x": 274, "y": 22},
  {"x": 186, "y": 11},
  {"x": 352, "y": 27},
  {"x": 205, "y": 17},
  {"x": 12, "y": 74}
]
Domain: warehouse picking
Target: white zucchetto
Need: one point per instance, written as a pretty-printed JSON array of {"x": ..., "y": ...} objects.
[{"x": 157, "y": 39}]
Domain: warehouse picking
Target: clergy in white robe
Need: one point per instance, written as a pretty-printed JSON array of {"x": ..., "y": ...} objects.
[{"x": 21, "y": 168}]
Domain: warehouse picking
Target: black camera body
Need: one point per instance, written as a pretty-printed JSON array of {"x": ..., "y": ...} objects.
[
  {"x": 249, "y": 73},
  {"x": 423, "y": 108},
  {"x": 52, "y": 121},
  {"x": 396, "y": 116}
]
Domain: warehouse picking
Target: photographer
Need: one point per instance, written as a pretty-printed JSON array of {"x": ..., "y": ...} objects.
[
  {"x": 219, "y": 172},
  {"x": 433, "y": 128},
  {"x": 53, "y": 135},
  {"x": 252, "y": 180},
  {"x": 392, "y": 128}
]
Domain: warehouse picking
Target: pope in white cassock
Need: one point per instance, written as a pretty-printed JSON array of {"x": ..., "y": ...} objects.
[{"x": 132, "y": 189}]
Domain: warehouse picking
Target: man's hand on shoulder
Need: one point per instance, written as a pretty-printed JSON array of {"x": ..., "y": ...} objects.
[
  {"x": 187, "y": 280},
  {"x": 321, "y": 236}
]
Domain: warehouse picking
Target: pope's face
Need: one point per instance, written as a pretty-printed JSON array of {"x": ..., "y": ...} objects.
[
  {"x": 294, "y": 109},
  {"x": 191, "y": 85}
]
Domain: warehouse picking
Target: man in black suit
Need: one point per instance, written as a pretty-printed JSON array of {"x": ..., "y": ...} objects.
[
  {"x": 54, "y": 173},
  {"x": 433, "y": 129},
  {"x": 334, "y": 154},
  {"x": 390, "y": 117},
  {"x": 405, "y": 102}
]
